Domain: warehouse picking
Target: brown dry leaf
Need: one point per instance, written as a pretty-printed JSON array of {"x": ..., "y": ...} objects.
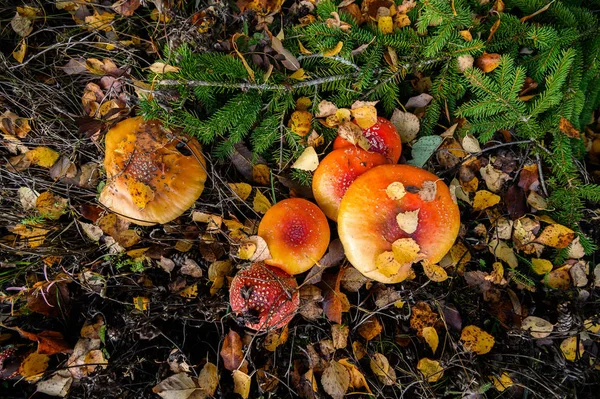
[
  {"x": 435, "y": 273},
  {"x": 50, "y": 206},
  {"x": 261, "y": 174},
  {"x": 428, "y": 191},
  {"x": 431, "y": 337},
  {"x": 365, "y": 116},
  {"x": 488, "y": 62},
  {"x": 13, "y": 125},
  {"x": 208, "y": 379},
  {"x": 43, "y": 156},
  {"x": 99, "y": 21},
  {"x": 217, "y": 271},
  {"x": 35, "y": 235},
  {"x": 325, "y": 109},
  {"x": 231, "y": 352},
  {"x": 559, "y": 279},
  {"x": 567, "y": 128},
  {"x": 466, "y": 35},
  {"x": 538, "y": 327},
  {"x": 503, "y": 382},
  {"x": 339, "y": 334},
  {"x": 541, "y": 10},
  {"x": 33, "y": 366},
  {"x": 57, "y": 385},
  {"x": 335, "y": 380},
  {"x": 422, "y": 316},
  {"x": 261, "y": 204},
  {"x": 484, "y": 199},
  {"x": 178, "y": 386},
  {"x": 401, "y": 20},
  {"x": 357, "y": 379},
  {"x": 503, "y": 252},
  {"x": 572, "y": 348},
  {"x": 430, "y": 369},
  {"x": 370, "y": 328},
  {"x": 408, "y": 221},
  {"x": 49, "y": 342},
  {"x": 541, "y": 266},
  {"x": 477, "y": 340},
  {"x": 126, "y": 7},
  {"x": 493, "y": 29},
  {"x": 308, "y": 160},
  {"x": 300, "y": 75},
  {"x": 382, "y": 369},
  {"x": 556, "y": 236},
  {"x": 290, "y": 61},
  {"x": 407, "y": 124},
  {"x": 275, "y": 338}
]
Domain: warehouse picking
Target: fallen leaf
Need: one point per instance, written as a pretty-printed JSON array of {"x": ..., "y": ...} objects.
[
  {"x": 567, "y": 128},
  {"x": 241, "y": 383},
  {"x": 556, "y": 236},
  {"x": 406, "y": 250},
  {"x": 541, "y": 266},
  {"x": 57, "y": 385},
  {"x": 430, "y": 369},
  {"x": 572, "y": 348},
  {"x": 335, "y": 380},
  {"x": 28, "y": 198},
  {"x": 386, "y": 24},
  {"x": 43, "y": 156},
  {"x": 435, "y": 273},
  {"x": 178, "y": 386},
  {"x": 423, "y": 149},
  {"x": 559, "y": 278},
  {"x": 380, "y": 366},
  {"x": 503, "y": 382},
  {"x": 309, "y": 160},
  {"x": 334, "y": 51},
  {"x": 242, "y": 190},
  {"x": 503, "y": 252},
  {"x": 408, "y": 221},
  {"x": 276, "y": 338},
  {"x": 231, "y": 352},
  {"x": 261, "y": 203},
  {"x": 370, "y": 328},
  {"x": 538, "y": 327},
  {"x": 208, "y": 379},
  {"x": 488, "y": 62},
  {"x": 325, "y": 109},
  {"x": 290, "y": 61},
  {"x": 357, "y": 379},
  {"x": 161, "y": 68},
  {"x": 484, "y": 199},
  {"x": 395, "y": 191},
  {"x": 407, "y": 125},
  {"x": 19, "y": 53},
  {"x": 470, "y": 144},
  {"x": 365, "y": 116},
  {"x": 431, "y": 337},
  {"x": 32, "y": 368},
  {"x": 50, "y": 206},
  {"x": 419, "y": 101},
  {"x": 476, "y": 340}
]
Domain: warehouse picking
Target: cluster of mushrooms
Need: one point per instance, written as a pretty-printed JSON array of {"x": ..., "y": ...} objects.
[{"x": 389, "y": 216}]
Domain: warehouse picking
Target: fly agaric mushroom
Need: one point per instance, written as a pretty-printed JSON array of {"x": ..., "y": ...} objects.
[
  {"x": 393, "y": 216},
  {"x": 265, "y": 296},
  {"x": 297, "y": 234},
  {"x": 383, "y": 138},
  {"x": 335, "y": 174},
  {"x": 152, "y": 177}
]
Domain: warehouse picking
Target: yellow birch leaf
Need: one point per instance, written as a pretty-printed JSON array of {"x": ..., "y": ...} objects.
[
  {"x": 538, "y": 327},
  {"x": 303, "y": 103},
  {"x": 334, "y": 51},
  {"x": 246, "y": 250},
  {"x": 19, "y": 53},
  {"x": 541, "y": 266},
  {"x": 435, "y": 273},
  {"x": 385, "y": 24},
  {"x": 408, "y": 221},
  {"x": 572, "y": 348},
  {"x": 431, "y": 337},
  {"x": 466, "y": 35},
  {"x": 365, "y": 116},
  {"x": 35, "y": 235},
  {"x": 476, "y": 340},
  {"x": 141, "y": 193},
  {"x": 50, "y": 206},
  {"x": 300, "y": 74},
  {"x": 161, "y": 67},
  {"x": 559, "y": 279},
  {"x": 430, "y": 369},
  {"x": 484, "y": 199},
  {"x": 300, "y": 122},
  {"x": 242, "y": 190},
  {"x": 261, "y": 174},
  {"x": 387, "y": 265},
  {"x": 503, "y": 382},
  {"x": 556, "y": 236},
  {"x": 303, "y": 50},
  {"x": 190, "y": 291},
  {"x": 357, "y": 379},
  {"x": 275, "y": 338},
  {"x": 33, "y": 366},
  {"x": 99, "y": 21},
  {"x": 592, "y": 325},
  {"x": 308, "y": 160},
  {"x": 401, "y": 20},
  {"x": 406, "y": 250},
  {"x": 235, "y": 47},
  {"x": 43, "y": 156},
  {"x": 141, "y": 303},
  {"x": 241, "y": 383},
  {"x": 380, "y": 366},
  {"x": 261, "y": 203},
  {"x": 395, "y": 191}
]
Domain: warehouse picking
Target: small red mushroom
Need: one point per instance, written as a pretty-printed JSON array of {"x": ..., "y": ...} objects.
[
  {"x": 382, "y": 137},
  {"x": 265, "y": 296},
  {"x": 335, "y": 174},
  {"x": 297, "y": 234}
]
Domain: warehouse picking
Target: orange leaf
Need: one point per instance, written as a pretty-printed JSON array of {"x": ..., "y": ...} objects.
[{"x": 231, "y": 352}]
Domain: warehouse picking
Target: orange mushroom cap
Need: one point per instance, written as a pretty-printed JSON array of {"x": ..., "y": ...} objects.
[
  {"x": 297, "y": 234},
  {"x": 368, "y": 225},
  {"x": 335, "y": 174},
  {"x": 382, "y": 136},
  {"x": 151, "y": 176}
]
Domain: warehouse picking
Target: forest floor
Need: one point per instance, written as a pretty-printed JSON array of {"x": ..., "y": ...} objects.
[{"x": 92, "y": 306}]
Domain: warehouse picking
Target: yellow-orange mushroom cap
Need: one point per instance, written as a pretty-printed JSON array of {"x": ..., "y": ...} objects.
[
  {"x": 297, "y": 234},
  {"x": 152, "y": 176},
  {"x": 335, "y": 174},
  {"x": 368, "y": 225}
]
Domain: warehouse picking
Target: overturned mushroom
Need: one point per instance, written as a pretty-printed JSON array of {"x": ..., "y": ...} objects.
[
  {"x": 297, "y": 234},
  {"x": 152, "y": 176},
  {"x": 394, "y": 216},
  {"x": 265, "y": 296}
]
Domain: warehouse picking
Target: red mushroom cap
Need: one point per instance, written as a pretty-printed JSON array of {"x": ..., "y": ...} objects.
[
  {"x": 335, "y": 174},
  {"x": 368, "y": 221},
  {"x": 383, "y": 138},
  {"x": 266, "y": 296},
  {"x": 297, "y": 234}
]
